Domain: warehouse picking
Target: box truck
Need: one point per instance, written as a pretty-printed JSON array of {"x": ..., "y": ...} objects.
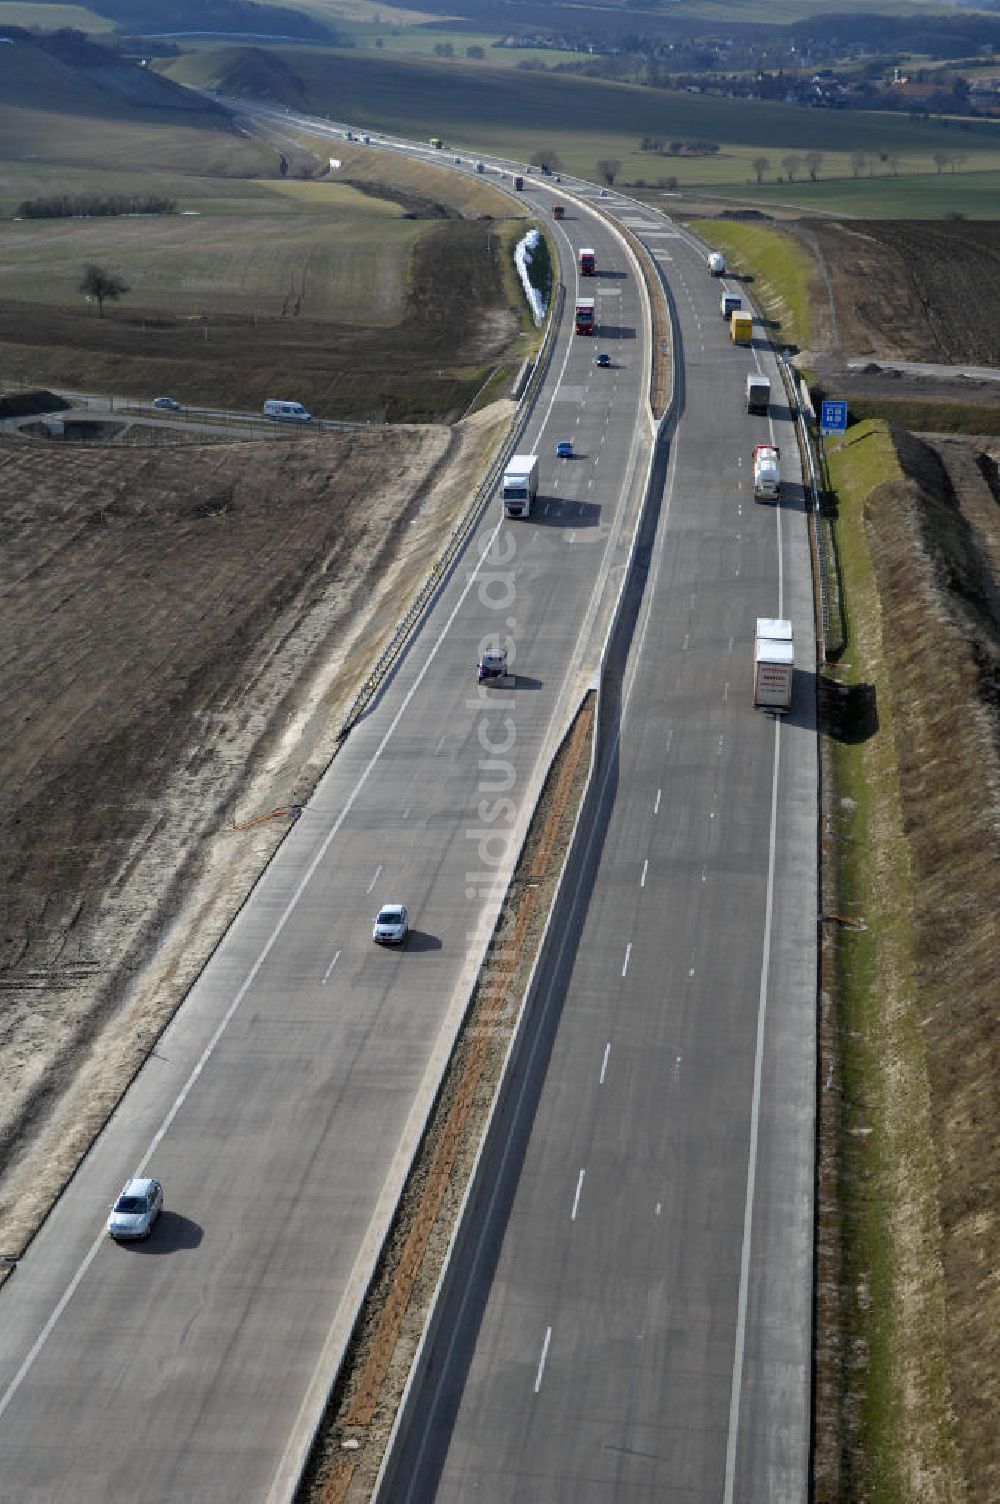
[
  {"x": 766, "y": 472},
  {"x": 758, "y": 393},
  {"x": 558, "y": 211},
  {"x": 740, "y": 327},
  {"x": 730, "y": 302},
  {"x": 773, "y": 664},
  {"x": 585, "y": 315},
  {"x": 717, "y": 264},
  {"x": 518, "y": 182},
  {"x": 588, "y": 262},
  {"x": 520, "y": 485}
]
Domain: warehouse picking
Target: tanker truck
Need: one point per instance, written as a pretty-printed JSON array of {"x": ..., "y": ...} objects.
[{"x": 766, "y": 472}]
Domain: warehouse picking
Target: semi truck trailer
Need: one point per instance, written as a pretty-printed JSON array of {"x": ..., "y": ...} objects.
[
  {"x": 520, "y": 485},
  {"x": 585, "y": 315},
  {"x": 773, "y": 664}
]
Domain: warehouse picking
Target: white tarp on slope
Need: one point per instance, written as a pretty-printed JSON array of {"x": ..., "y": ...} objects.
[{"x": 523, "y": 254}]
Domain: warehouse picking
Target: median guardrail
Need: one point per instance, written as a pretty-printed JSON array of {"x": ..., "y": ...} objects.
[
  {"x": 494, "y": 1168},
  {"x": 441, "y": 572}
]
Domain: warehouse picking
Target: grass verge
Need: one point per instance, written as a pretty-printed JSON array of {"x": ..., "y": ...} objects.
[
  {"x": 889, "y": 1356},
  {"x": 783, "y": 276}
]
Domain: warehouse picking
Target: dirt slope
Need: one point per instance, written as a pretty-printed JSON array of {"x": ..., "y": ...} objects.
[{"x": 181, "y": 632}]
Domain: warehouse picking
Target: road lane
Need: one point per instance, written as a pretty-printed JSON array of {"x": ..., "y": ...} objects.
[
  {"x": 655, "y": 1242},
  {"x": 282, "y": 1105}
]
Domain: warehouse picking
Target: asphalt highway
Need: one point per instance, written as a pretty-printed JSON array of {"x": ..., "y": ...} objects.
[
  {"x": 632, "y": 1316},
  {"x": 282, "y": 1106}
]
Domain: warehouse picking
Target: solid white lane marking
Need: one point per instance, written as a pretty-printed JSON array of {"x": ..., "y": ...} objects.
[
  {"x": 758, "y": 1067},
  {"x": 406, "y": 813},
  {"x": 378, "y": 874},
  {"x": 656, "y": 806},
  {"x": 725, "y": 693},
  {"x": 330, "y": 967},
  {"x": 576, "y": 1198},
  {"x": 251, "y": 976},
  {"x": 541, "y": 1361},
  {"x": 659, "y": 1207},
  {"x": 604, "y": 1062},
  {"x": 645, "y": 869},
  {"x": 628, "y": 952}
]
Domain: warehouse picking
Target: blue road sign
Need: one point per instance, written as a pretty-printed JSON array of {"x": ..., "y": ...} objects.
[{"x": 833, "y": 417}]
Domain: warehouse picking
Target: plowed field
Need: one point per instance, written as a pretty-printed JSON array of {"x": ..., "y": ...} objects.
[
  {"x": 925, "y": 290},
  {"x": 182, "y": 630}
]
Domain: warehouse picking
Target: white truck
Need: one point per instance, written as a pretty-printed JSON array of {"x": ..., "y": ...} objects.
[
  {"x": 766, "y": 472},
  {"x": 758, "y": 393},
  {"x": 730, "y": 302},
  {"x": 773, "y": 664},
  {"x": 717, "y": 264},
  {"x": 520, "y": 485}
]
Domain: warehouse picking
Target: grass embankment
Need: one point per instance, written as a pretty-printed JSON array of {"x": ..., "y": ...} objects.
[
  {"x": 907, "y": 1309},
  {"x": 782, "y": 275}
]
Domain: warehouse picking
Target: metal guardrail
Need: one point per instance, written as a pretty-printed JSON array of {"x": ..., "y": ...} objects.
[{"x": 442, "y": 567}]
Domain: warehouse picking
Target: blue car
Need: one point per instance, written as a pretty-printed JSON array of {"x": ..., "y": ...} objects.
[{"x": 564, "y": 449}]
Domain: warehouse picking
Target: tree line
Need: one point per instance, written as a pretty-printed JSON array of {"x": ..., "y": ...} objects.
[{"x": 94, "y": 205}]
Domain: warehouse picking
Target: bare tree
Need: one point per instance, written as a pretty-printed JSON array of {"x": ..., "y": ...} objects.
[
  {"x": 609, "y": 168},
  {"x": 814, "y": 161},
  {"x": 957, "y": 158},
  {"x": 760, "y": 165},
  {"x": 791, "y": 164},
  {"x": 859, "y": 160},
  {"x": 940, "y": 158},
  {"x": 98, "y": 283},
  {"x": 547, "y": 159},
  {"x": 893, "y": 161}
]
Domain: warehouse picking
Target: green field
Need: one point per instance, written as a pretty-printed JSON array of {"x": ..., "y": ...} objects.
[
  {"x": 477, "y": 106},
  {"x": 921, "y": 195},
  {"x": 351, "y": 252},
  {"x": 52, "y": 17}
]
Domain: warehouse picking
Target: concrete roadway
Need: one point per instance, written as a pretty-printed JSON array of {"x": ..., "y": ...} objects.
[
  {"x": 634, "y": 1321},
  {"x": 282, "y": 1106}
]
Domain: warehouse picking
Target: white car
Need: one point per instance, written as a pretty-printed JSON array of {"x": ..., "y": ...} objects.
[
  {"x": 136, "y": 1209},
  {"x": 391, "y": 925}
]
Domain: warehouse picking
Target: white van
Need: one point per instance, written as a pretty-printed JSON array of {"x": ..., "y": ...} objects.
[{"x": 293, "y": 410}]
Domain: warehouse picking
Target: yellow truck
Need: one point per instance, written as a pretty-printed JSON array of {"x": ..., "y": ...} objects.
[{"x": 740, "y": 327}]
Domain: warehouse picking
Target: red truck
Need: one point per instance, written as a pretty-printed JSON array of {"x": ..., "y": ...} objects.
[
  {"x": 585, "y": 315},
  {"x": 588, "y": 262}
]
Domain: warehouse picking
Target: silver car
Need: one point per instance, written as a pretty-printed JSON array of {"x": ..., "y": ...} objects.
[
  {"x": 391, "y": 925},
  {"x": 136, "y": 1209}
]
